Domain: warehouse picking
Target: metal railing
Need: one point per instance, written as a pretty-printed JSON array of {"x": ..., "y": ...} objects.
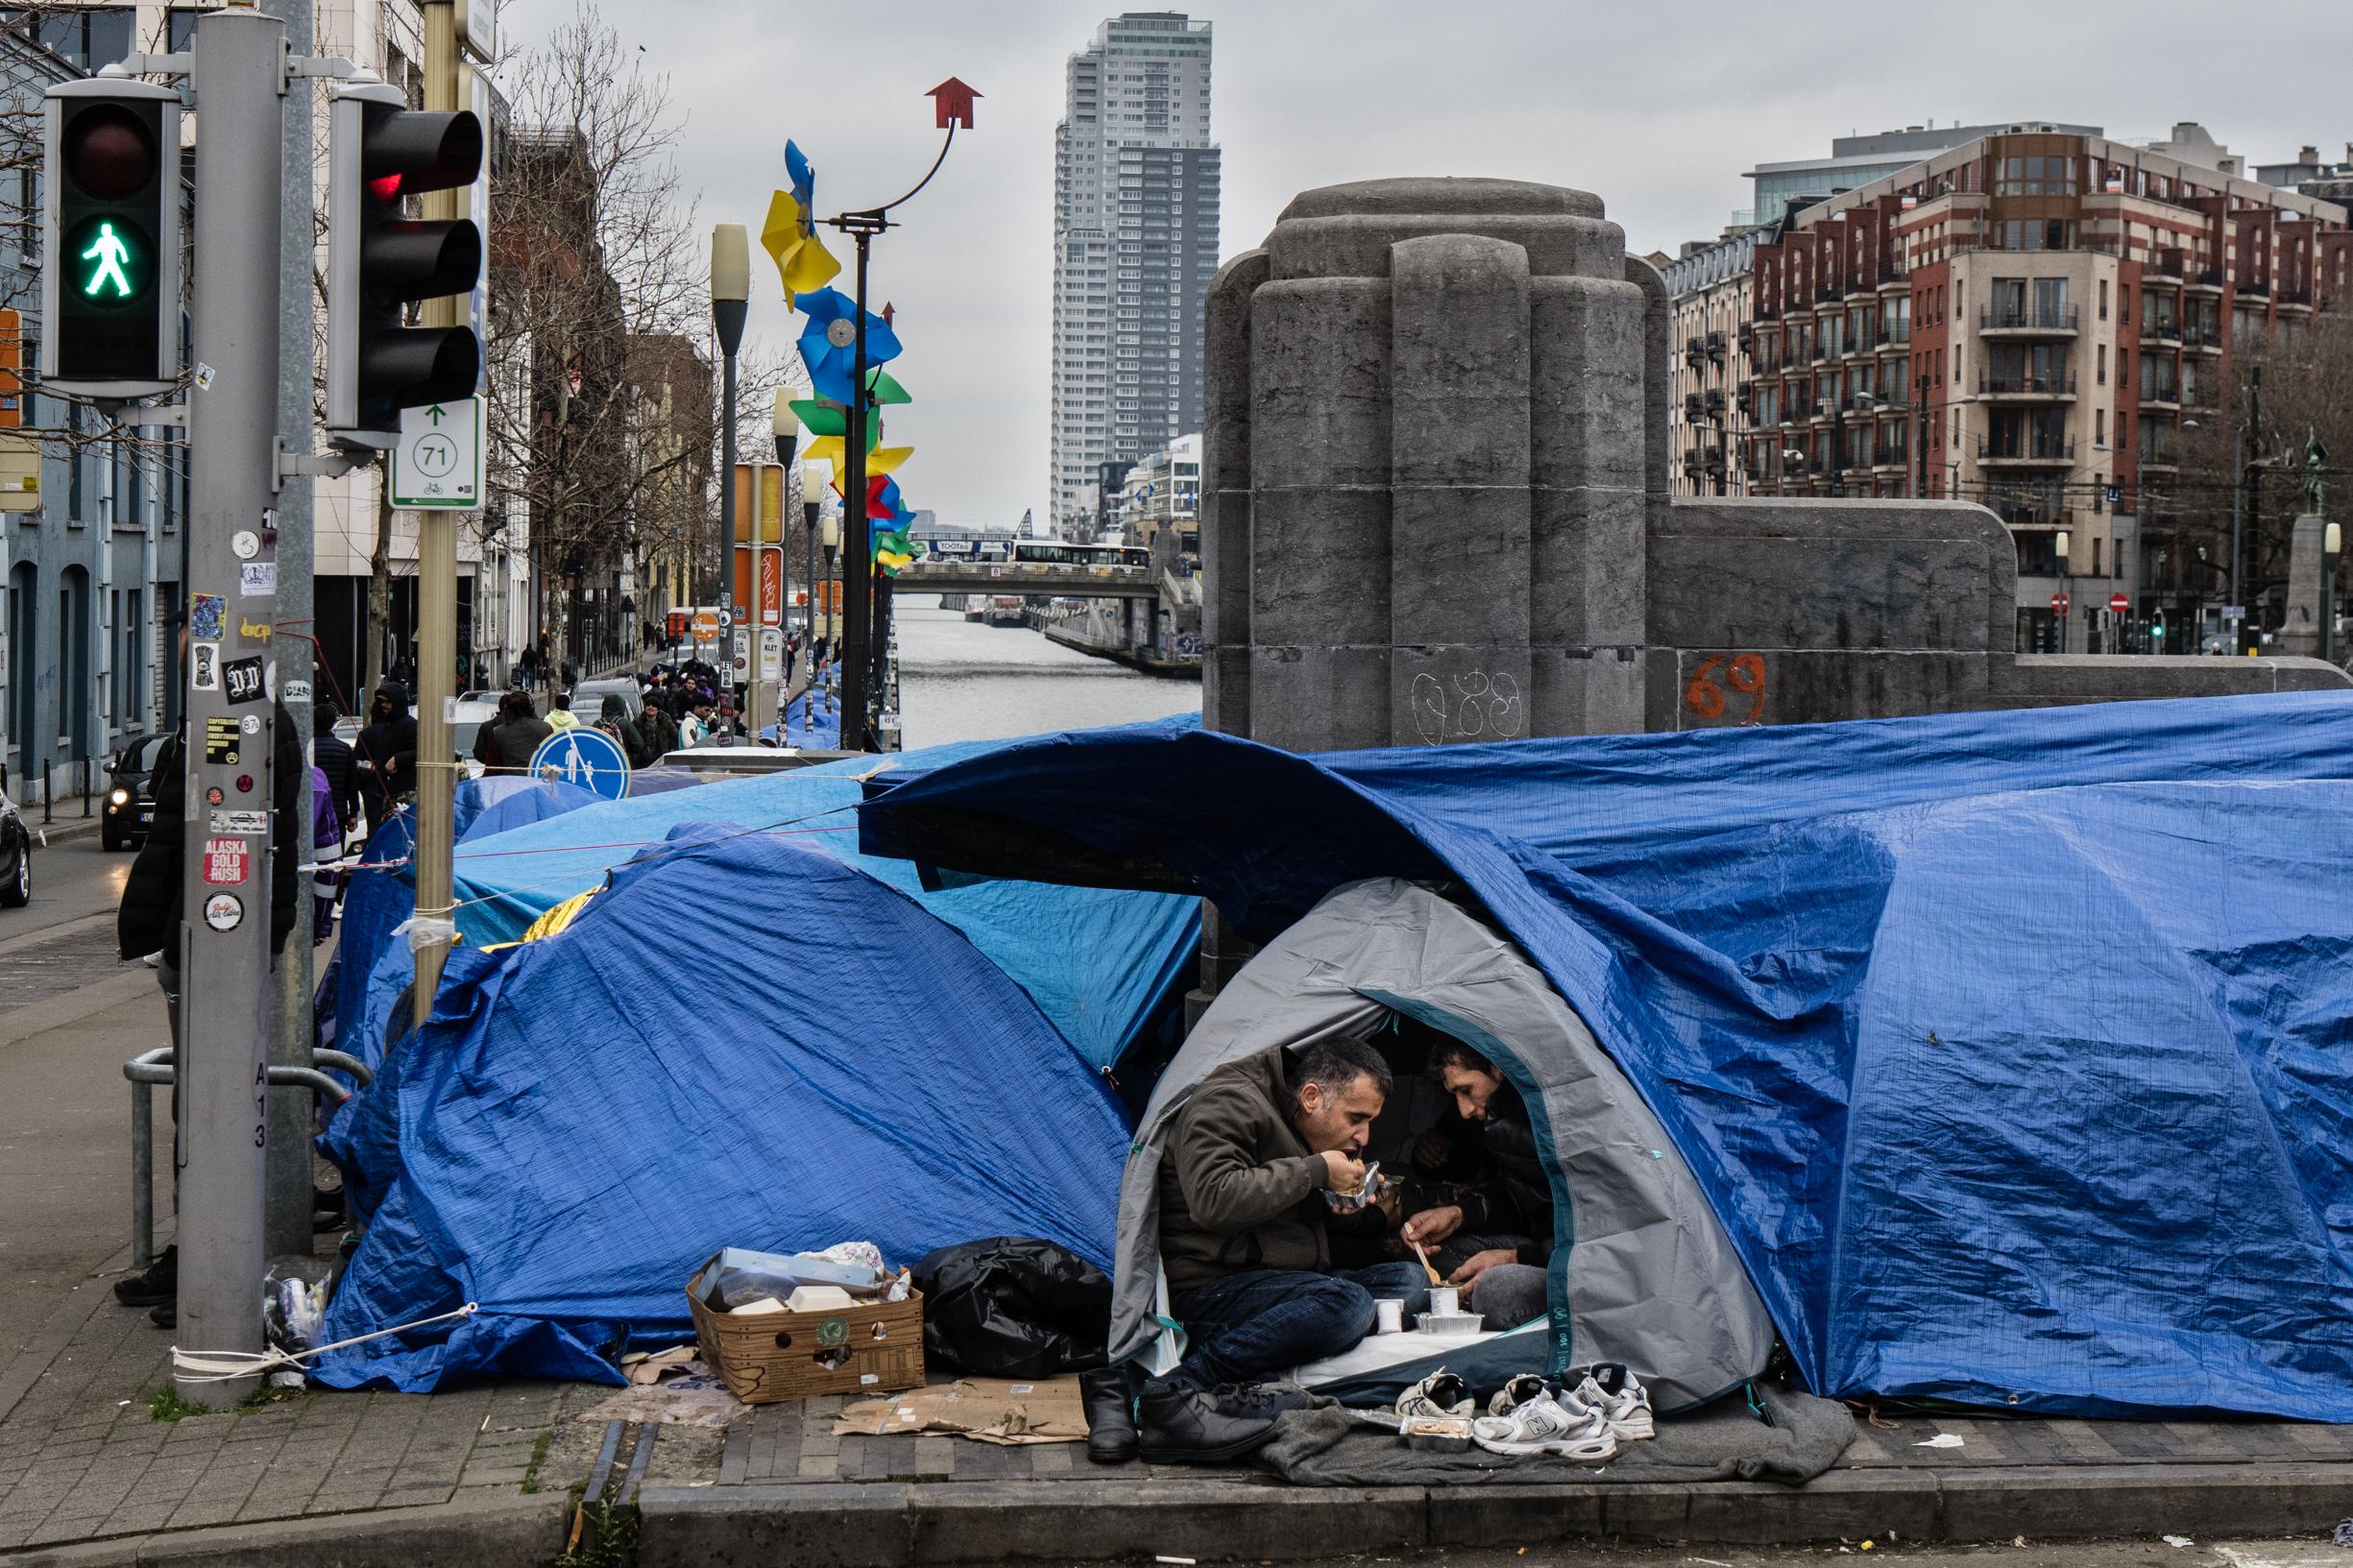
[
  {"x": 2041, "y": 451},
  {"x": 2000, "y": 384},
  {"x": 2031, "y": 317},
  {"x": 2160, "y": 331},
  {"x": 153, "y": 1067}
]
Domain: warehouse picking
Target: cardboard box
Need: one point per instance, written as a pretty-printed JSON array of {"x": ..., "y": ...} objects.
[{"x": 766, "y": 1357}]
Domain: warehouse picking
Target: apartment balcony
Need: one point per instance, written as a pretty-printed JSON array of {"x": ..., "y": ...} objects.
[
  {"x": 1898, "y": 338},
  {"x": 1715, "y": 346},
  {"x": 1712, "y": 400},
  {"x": 2202, "y": 280},
  {"x": 2255, "y": 288},
  {"x": 1694, "y": 354},
  {"x": 2027, "y": 453},
  {"x": 2030, "y": 321},
  {"x": 2029, "y": 512},
  {"x": 1890, "y": 459},
  {"x": 1691, "y": 407},
  {"x": 2201, "y": 340},
  {"x": 2161, "y": 457},
  {"x": 2163, "y": 397},
  {"x": 2160, "y": 331},
  {"x": 2027, "y": 389},
  {"x": 1895, "y": 277},
  {"x": 2296, "y": 299},
  {"x": 1746, "y": 335}
]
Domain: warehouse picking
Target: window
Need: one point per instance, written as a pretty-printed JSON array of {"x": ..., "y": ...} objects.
[
  {"x": 2124, "y": 305},
  {"x": 2103, "y": 298},
  {"x": 2102, "y": 357},
  {"x": 2100, "y": 427}
]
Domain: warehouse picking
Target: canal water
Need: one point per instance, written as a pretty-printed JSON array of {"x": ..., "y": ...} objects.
[{"x": 960, "y": 680}]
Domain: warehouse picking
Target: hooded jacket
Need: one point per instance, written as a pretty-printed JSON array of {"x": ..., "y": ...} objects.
[
  {"x": 390, "y": 743},
  {"x": 1238, "y": 1189}
]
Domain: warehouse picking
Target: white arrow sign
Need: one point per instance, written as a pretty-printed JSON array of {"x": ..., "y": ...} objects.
[{"x": 438, "y": 462}]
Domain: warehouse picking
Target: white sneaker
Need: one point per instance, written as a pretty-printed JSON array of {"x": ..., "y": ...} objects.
[
  {"x": 1627, "y": 1411},
  {"x": 1515, "y": 1393},
  {"x": 1556, "y": 1424},
  {"x": 1441, "y": 1394}
]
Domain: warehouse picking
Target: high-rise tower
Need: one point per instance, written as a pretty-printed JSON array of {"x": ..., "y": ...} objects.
[{"x": 1136, "y": 244}]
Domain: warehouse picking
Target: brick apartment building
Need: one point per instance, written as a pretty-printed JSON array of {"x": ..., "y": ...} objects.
[{"x": 2024, "y": 320}]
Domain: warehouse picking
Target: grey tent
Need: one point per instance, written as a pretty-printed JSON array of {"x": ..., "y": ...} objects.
[{"x": 1641, "y": 1271}]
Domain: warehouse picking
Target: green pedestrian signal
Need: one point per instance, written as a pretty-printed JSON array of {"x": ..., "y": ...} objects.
[
  {"x": 111, "y": 233},
  {"x": 109, "y": 268}
]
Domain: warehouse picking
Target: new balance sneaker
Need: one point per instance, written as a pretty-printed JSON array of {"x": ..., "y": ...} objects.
[
  {"x": 1550, "y": 1423},
  {"x": 1621, "y": 1400},
  {"x": 1441, "y": 1394},
  {"x": 1515, "y": 1393}
]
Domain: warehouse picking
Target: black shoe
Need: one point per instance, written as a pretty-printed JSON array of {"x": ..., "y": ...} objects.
[
  {"x": 165, "y": 1316},
  {"x": 1110, "y": 1416},
  {"x": 1184, "y": 1426},
  {"x": 159, "y": 1281}
]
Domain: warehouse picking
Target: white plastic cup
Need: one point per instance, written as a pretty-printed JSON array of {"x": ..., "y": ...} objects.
[
  {"x": 1388, "y": 1316},
  {"x": 1445, "y": 1300}
]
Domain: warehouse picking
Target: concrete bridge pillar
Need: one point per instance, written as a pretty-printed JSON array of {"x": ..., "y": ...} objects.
[{"x": 1430, "y": 449}]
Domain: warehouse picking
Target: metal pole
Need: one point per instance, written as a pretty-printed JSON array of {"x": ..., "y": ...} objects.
[
  {"x": 857, "y": 538},
  {"x": 729, "y": 315},
  {"x": 142, "y": 1174},
  {"x": 436, "y": 591},
  {"x": 232, "y": 436},
  {"x": 1919, "y": 458},
  {"x": 287, "y": 1208},
  {"x": 2328, "y": 595}
]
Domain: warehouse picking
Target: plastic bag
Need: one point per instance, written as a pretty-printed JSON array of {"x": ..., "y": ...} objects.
[{"x": 1013, "y": 1307}]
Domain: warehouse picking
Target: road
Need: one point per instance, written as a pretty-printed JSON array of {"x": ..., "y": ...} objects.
[{"x": 71, "y": 1013}]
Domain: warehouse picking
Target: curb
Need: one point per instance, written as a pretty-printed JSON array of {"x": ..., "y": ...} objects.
[
  {"x": 62, "y": 832},
  {"x": 898, "y": 1525},
  {"x": 509, "y": 1532}
]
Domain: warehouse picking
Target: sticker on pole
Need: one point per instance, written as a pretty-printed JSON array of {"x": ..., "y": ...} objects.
[
  {"x": 225, "y": 862},
  {"x": 223, "y": 911},
  {"x": 590, "y": 759},
  {"x": 437, "y": 462}
]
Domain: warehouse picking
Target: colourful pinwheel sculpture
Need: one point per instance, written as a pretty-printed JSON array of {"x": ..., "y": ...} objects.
[
  {"x": 791, "y": 233},
  {"x": 829, "y": 343},
  {"x": 888, "y": 520}
]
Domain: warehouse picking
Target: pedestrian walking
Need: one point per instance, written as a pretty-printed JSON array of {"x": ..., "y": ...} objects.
[{"x": 386, "y": 756}]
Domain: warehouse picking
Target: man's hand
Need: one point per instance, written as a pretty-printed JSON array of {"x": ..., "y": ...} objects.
[
  {"x": 1432, "y": 1150},
  {"x": 1467, "y": 1276},
  {"x": 1432, "y": 1227},
  {"x": 1345, "y": 1175}
]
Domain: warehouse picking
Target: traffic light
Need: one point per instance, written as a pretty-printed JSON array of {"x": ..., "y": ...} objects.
[
  {"x": 379, "y": 261},
  {"x": 111, "y": 220}
]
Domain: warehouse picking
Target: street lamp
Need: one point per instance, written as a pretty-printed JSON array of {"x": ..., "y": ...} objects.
[
  {"x": 814, "y": 477},
  {"x": 731, "y": 289},
  {"x": 2064, "y": 601},
  {"x": 2332, "y": 541}
]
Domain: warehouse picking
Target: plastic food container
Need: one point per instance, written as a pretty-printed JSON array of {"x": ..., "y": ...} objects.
[{"x": 1456, "y": 1325}]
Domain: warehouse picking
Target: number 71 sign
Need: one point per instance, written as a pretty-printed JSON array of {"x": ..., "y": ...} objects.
[{"x": 437, "y": 464}]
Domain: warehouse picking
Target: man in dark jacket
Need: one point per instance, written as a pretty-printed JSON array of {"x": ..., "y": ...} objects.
[
  {"x": 613, "y": 718},
  {"x": 514, "y": 739},
  {"x": 386, "y": 756},
  {"x": 153, "y": 917},
  {"x": 332, "y": 755},
  {"x": 1496, "y": 1235},
  {"x": 1249, "y": 1159}
]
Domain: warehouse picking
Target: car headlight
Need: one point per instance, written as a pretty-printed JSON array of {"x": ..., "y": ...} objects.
[{"x": 118, "y": 796}]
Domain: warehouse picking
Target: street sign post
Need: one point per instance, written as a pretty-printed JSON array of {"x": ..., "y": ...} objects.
[
  {"x": 590, "y": 759},
  {"x": 437, "y": 464}
]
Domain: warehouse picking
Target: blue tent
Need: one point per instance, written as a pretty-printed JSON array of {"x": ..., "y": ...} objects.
[
  {"x": 2014, "y": 1050},
  {"x": 563, "y": 1144},
  {"x": 1098, "y": 963}
]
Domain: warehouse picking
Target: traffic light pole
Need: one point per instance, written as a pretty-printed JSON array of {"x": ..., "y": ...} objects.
[
  {"x": 232, "y": 437},
  {"x": 436, "y": 589}
]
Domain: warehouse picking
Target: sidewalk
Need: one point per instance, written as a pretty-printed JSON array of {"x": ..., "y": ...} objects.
[{"x": 484, "y": 1476}]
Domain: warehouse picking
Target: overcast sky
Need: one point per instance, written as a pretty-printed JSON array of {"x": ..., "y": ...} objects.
[{"x": 1658, "y": 107}]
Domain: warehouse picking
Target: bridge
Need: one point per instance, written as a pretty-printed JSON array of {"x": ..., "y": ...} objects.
[{"x": 954, "y": 576}]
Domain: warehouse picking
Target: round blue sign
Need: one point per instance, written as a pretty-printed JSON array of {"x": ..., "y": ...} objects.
[{"x": 588, "y": 758}]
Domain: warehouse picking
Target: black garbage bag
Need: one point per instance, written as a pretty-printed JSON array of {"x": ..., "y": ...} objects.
[{"x": 1013, "y": 1307}]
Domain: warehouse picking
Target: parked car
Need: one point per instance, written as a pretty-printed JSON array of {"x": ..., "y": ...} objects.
[
  {"x": 16, "y": 844},
  {"x": 130, "y": 795}
]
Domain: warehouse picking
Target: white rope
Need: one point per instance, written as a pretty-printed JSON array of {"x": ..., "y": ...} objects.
[{"x": 224, "y": 1365}]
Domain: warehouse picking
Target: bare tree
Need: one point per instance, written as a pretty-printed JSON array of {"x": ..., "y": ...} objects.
[{"x": 596, "y": 283}]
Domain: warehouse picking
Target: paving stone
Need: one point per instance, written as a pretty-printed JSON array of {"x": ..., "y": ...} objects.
[{"x": 503, "y": 1475}]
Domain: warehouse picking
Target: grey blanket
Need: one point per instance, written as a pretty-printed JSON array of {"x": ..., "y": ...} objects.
[{"x": 1725, "y": 1441}]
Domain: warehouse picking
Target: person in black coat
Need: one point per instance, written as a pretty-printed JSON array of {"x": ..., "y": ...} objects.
[
  {"x": 516, "y": 738},
  {"x": 386, "y": 756},
  {"x": 332, "y": 755}
]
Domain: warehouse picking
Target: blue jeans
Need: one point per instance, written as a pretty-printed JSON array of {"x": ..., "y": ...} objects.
[{"x": 1248, "y": 1327}]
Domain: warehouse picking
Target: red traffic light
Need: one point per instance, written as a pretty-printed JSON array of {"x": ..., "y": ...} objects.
[{"x": 109, "y": 152}]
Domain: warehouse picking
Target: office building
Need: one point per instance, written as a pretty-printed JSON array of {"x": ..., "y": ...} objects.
[{"x": 1136, "y": 244}]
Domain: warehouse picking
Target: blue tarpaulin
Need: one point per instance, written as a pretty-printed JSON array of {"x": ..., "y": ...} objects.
[
  {"x": 588, "y": 1116},
  {"x": 2014, "y": 1050},
  {"x": 1098, "y": 963}
]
